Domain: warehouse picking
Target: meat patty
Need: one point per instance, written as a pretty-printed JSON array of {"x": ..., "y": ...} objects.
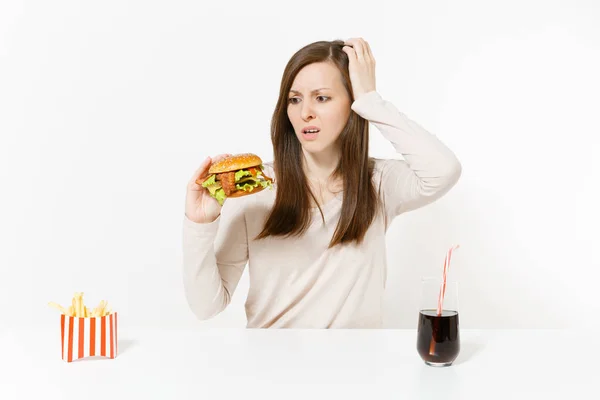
[{"x": 227, "y": 182}]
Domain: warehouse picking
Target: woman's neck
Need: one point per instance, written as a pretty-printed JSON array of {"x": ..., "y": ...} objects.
[{"x": 320, "y": 166}]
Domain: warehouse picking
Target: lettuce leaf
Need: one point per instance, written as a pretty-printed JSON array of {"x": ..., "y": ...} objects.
[
  {"x": 219, "y": 195},
  {"x": 209, "y": 181},
  {"x": 241, "y": 173},
  {"x": 266, "y": 184},
  {"x": 215, "y": 188},
  {"x": 247, "y": 186}
]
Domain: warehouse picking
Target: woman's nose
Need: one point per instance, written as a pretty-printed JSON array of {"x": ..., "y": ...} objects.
[{"x": 307, "y": 112}]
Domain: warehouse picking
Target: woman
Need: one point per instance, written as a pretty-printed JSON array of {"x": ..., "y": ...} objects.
[{"x": 315, "y": 245}]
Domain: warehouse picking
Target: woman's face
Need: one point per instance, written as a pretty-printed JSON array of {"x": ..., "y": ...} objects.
[{"x": 318, "y": 98}]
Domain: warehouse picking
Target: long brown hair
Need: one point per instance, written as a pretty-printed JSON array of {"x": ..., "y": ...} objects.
[{"x": 291, "y": 214}]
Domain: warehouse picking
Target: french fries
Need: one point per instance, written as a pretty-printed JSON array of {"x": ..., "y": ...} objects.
[{"x": 80, "y": 310}]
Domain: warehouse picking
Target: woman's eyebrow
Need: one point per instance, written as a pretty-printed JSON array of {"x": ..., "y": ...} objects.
[{"x": 314, "y": 91}]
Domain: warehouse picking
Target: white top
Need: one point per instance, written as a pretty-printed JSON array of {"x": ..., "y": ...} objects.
[{"x": 296, "y": 282}]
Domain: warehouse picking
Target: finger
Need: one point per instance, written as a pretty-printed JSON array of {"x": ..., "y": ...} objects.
[
  {"x": 201, "y": 171},
  {"x": 220, "y": 157},
  {"x": 351, "y": 41},
  {"x": 349, "y": 47},
  {"x": 364, "y": 47},
  {"x": 369, "y": 52},
  {"x": 358, "y": 47},
  {"x": 350, "y": 52}
]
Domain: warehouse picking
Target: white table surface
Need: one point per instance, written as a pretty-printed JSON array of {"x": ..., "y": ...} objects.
[{"x": 302, "y": 364}]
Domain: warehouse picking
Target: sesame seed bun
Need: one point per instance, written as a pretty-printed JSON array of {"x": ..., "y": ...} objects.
[{"x": 235, "y": 163}]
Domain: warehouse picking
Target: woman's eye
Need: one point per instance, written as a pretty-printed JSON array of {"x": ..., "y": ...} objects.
[{"x": 291, "y": 99}]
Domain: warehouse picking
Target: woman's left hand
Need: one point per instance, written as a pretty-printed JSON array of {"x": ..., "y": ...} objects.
[{"x": 361, "y": 67}]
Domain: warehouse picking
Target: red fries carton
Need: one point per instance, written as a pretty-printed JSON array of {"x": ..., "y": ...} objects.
[
  {"x": 85, "y": 332},
  {"x": 86, "y": 337}
]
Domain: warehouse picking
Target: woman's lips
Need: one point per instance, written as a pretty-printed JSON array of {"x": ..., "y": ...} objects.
[{"x": 310, "y": 136}]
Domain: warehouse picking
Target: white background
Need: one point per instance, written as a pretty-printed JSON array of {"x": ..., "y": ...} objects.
[{"x": 107, "y": 108}]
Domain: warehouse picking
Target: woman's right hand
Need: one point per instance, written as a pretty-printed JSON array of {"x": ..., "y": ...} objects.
[{"x": 200, "y": 206}]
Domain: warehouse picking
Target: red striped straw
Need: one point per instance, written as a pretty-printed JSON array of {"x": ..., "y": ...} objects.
[{"x": 443, "y": 286}]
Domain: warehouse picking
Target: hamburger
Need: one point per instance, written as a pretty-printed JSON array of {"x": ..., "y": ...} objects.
[{"x": 235, "y": 176}]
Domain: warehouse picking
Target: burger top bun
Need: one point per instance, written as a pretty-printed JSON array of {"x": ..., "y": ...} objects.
[{"x": 235, "y": 163}]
